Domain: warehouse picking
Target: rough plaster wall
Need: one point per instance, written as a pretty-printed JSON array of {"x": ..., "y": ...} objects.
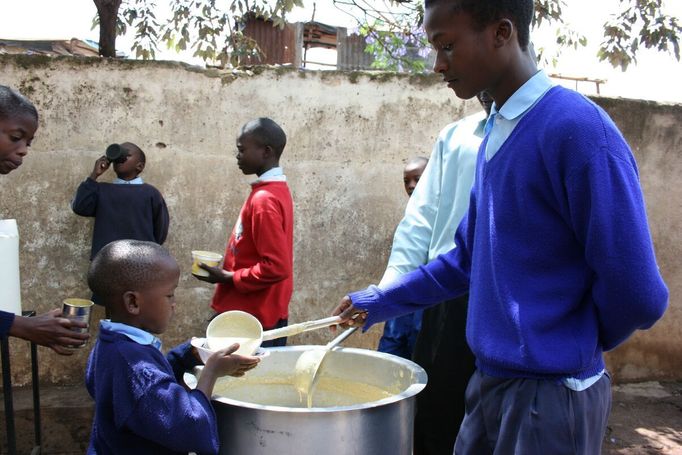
[
  {"x": 653, "y": 131},
  {"x": 349, "y": 135},
  {"x": 348, "y": 139}
]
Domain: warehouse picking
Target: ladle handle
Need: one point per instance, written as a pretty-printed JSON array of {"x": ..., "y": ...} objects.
[
  {"x": 301, "y": 327},
  {"x": 340, "y": 339}
]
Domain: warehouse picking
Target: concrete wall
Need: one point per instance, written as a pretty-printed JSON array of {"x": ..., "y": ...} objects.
[{"x": 349, "y": 134}]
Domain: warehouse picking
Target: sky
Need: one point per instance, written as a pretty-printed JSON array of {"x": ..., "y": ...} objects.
[{"x": 656, "y": 76}]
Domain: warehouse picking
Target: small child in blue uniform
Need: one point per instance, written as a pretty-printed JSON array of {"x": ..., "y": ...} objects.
[
  {"x": 400, "y": 334},
  {"x": 140, "y": 406}
]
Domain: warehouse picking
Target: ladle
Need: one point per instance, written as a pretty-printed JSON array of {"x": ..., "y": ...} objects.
[
  {"x": 243, "y": 328},
  {"x": 306, "y": 370},
  {"x": 295, "y": 329}
]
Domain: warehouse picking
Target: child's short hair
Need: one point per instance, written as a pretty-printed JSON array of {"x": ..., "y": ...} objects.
[
  {"x": 130, "y": 145},
  {"x": 14, "y": 104},
  {"x": 267, "y": 132},
  {"x": 486, "y": 11},
  {"x": 125, "y": 265}
]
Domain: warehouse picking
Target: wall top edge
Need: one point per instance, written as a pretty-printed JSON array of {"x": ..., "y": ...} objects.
[{"x": 29, "y": 62}]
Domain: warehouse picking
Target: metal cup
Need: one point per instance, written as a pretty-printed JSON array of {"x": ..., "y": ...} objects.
[
  {"x": 78, "y": 310},
  {"x": 115, "y": 153}
]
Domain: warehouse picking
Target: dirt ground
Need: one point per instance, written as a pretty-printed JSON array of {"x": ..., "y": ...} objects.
[{"x": 646, "y": 418}]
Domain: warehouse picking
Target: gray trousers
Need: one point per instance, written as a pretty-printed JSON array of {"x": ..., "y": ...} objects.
[{"x": 533, "y": 417}]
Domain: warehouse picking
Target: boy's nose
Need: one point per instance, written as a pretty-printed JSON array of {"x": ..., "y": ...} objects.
[
  {"x": 23, "y": 149},
  {"x": 439, "y": 64}
]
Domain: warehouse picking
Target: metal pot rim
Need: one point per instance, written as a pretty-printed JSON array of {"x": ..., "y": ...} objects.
[{"x": 418, "y": 373}]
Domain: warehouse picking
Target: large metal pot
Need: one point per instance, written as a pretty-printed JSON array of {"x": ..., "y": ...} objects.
[{"x": 382, "y": 427}]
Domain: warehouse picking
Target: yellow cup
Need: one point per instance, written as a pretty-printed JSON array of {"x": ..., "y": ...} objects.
[{"x": 205, "y": 257}]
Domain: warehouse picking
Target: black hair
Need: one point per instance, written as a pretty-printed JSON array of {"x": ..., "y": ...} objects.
[
  {"x": 130, "y": 145},
  {"x": 126, "y": 265},
  {"x": 267, "y": 132},
  {"x": 486, "y": 11},
  {"x": 14, "y": 104}
]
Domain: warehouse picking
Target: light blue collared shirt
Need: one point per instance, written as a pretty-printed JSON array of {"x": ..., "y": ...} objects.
[
  {"x": 440, "y": 199},
  {"x": 501, "y": 123},
  {"x": 276, "y": 174},
  {"x": 139, "y": 336},
  {"x": 499, "y": 127},
  {"x": 136, "y": 181}
]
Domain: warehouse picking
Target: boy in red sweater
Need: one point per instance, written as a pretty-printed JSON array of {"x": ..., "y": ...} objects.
[{"x": 257, "y": 274}]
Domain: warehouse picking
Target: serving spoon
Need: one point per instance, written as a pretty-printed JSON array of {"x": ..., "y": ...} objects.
[{"x": 307, "y": 368}]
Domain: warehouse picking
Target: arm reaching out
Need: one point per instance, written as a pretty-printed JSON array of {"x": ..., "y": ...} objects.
[
  {"x": 224, "y": 363},
  {"x": 51, "y": 330}
]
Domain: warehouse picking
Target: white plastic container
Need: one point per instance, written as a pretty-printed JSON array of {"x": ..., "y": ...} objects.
[{"x": 10, "y": 285}]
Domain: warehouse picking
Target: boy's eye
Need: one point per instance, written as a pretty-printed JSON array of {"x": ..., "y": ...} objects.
[{"x": 446, "y": 47}]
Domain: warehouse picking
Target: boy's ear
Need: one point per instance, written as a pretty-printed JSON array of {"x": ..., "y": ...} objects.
[
  {"x": 140, "y": 167},
  {"x": 504, "y": 32},
  {"x": 268, "y": 152},
  {"x": 131, "y": 302}
]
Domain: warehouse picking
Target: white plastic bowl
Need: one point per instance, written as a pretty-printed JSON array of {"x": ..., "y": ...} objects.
[
  {"x": 205, "y": 352},
  {"x": 235, "y": 327}
]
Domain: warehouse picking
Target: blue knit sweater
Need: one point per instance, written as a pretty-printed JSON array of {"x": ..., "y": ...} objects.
[
  {"x": 135, "y": 212},
  {"x": 6, "y": 321},
  {"x": 140, "y": 408},
  {"x": 555, "y": 249}
]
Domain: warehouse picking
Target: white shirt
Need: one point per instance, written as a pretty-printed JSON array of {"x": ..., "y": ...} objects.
[
  {"x": 501, "y": 123},
  {"x": 135, "y": 181},
  {"x": 440, "y": 199},
  {"x": 139, "y": 336},
  {"x": 276, "y": 174}
]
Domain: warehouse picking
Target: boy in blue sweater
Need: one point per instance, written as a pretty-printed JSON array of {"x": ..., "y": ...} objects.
[
  {"x": 555, "y": 250},
  {"x": 140, "y": 406},
  {"x": 127, "y": 208}
]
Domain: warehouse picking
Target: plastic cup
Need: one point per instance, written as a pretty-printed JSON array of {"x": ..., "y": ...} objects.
[
  {"x": 78, "y": 310},
  {"x": 235, "y": 327},
  {"x": 205, "y": 257}
]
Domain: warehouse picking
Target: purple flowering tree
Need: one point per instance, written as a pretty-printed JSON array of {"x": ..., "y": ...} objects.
[{"x": 394, "y": 34}]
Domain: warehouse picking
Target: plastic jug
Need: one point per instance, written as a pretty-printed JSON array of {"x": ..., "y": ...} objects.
[{"x": 10, "y": 285}]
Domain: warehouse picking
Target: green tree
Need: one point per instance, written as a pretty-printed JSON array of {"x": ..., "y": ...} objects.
[
  {"x": 107, "y": 13},
  {"x": 212, "y": 29},
  {"x": 637, "y": 24}
]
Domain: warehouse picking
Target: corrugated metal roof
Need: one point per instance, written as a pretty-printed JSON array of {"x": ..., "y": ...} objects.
[
  {"x": 73, "y": 46},
  {"x": 277, "y": 44},
  {"x": 285, "y": 46},
  {"x": 351, "y": 53}
]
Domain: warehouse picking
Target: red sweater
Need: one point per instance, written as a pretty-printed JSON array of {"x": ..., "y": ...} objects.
[{"x": 260, "y": 253}]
